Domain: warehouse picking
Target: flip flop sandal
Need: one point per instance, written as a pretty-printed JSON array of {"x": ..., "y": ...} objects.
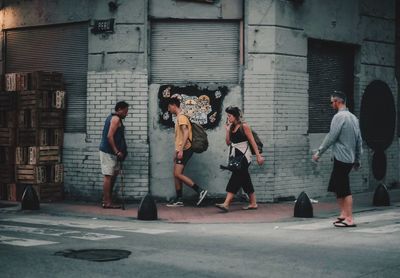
[
  {"x": 344, "y": 225},
  {"x": 339, "y": 220},
  {"x": 249, "y": 208},
  {"x": 222, "y": 207}
]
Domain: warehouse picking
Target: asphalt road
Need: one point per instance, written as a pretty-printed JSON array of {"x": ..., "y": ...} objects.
[{"x": 299, "y": 248}]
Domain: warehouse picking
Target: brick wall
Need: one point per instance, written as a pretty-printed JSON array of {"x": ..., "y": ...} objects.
[
  {"x": 258, "y": 103},
  {"x": 83, "y": 179}
]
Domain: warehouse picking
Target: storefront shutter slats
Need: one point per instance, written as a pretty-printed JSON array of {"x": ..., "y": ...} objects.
[
  {"x": 194, "y": 51},
  {"x": 62, "y": 48}
]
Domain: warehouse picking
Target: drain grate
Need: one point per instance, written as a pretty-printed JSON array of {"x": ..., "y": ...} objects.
[{"x": 95, "y": 255}]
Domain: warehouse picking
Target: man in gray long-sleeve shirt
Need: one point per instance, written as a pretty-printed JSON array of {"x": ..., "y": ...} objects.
[{"x": 345, "y": 138}]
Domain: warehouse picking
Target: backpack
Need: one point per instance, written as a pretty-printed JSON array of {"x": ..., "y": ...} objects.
[
  {"x": 257, "y": 139},
  {"x": 199, "y": 138}
]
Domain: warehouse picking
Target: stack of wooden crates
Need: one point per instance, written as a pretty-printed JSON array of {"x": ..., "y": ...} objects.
[
  {"x": 39, "y": 133},
  {"x": 8, "y": 125}
]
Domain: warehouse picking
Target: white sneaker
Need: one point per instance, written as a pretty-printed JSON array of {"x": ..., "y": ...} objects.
[
  {"x": 202, "y": 195},
  {"x": 177, "y": 202}
]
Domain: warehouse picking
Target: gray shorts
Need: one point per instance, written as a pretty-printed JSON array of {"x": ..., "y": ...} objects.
[{"x": 109, "y": 164}]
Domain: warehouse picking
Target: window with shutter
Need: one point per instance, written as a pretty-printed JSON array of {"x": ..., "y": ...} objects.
[{"x": 330, "y": 67}]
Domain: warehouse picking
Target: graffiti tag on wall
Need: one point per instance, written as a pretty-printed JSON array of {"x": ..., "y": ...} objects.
[{"x": 202, "y": 106}]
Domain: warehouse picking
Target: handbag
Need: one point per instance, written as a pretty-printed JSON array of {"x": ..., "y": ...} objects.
[{"x": 235, "y": 163}]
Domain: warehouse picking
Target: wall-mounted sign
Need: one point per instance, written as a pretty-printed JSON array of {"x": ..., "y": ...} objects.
[
  {"x": 103, "y": 26},
  {"x": 202, "y": 106}
]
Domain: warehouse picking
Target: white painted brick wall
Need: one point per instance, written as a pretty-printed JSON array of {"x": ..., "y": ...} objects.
[{"x": 83, "y": 178}]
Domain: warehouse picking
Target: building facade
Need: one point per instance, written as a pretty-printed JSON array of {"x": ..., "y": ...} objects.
[{"x": 278, "y": 60}]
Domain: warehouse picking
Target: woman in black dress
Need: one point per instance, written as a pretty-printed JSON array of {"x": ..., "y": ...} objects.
[{"x": 238, "y": 137}]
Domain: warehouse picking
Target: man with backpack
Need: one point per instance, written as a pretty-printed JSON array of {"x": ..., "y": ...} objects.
[{"x": 183, "y": 152}]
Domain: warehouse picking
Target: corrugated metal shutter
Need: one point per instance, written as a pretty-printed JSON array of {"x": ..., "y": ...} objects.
[
  {"x": 330, "y": 67},
  {"x": 194, "y": 51},
  {"x": 62, "y": 48}
]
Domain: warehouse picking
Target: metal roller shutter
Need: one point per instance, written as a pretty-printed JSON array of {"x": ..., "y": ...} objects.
[
  {"x": 62, "y": 48},
  {"x": 194, "y": 51},
  {"x": 330, "y": 67}
]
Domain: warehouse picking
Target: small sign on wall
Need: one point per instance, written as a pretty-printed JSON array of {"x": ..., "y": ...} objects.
[
  {"x": 202, "y": 106},
  {"x": 103, "y": 26}
]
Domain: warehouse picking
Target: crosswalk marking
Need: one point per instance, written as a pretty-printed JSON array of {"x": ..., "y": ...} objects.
[
  {"x": 57, "y": 232},
  {"x": 87, "y": 224},
  {"x": 24, "y": 241},
  {"x": 93, "y": 224}
]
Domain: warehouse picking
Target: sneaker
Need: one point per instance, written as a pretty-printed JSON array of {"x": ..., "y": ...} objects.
[
  {"x": 202, "y": 195},
  {"x": 177, "y": 202}
]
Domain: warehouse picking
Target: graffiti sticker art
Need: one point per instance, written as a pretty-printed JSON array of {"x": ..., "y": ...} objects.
[{"x": 202, "y": 106}]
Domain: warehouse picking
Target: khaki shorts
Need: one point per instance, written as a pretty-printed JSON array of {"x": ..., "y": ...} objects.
[{"x": 109, "y": 164}]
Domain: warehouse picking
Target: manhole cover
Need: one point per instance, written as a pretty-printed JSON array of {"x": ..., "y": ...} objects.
[{"x": 96, "y": 255}]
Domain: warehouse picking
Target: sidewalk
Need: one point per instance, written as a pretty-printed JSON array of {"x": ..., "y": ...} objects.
[{"x": 207, "y": 213}]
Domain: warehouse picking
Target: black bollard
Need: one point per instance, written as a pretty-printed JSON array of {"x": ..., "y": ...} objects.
[
  {"x": 30, "y": 199},
  {"x": 147, "y": 208},
  {"x": 303, "y": 207},
  {"x": 381, "y": 196}
]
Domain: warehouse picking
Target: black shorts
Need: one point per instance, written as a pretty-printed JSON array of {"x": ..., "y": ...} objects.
[
  {"x": 187, "y": 154},
  {"x": 339, "y": 182}
]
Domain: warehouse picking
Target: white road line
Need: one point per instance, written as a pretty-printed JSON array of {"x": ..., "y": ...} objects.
[
  {"x": 386, "y": 229},
  {"x": 24, "y": 242},
  {"x": 87, "y": 224},
  {"x": 142, "y": 230},
  {"x": 328, "y": 223},
  {"x": 90, "y": 224},
  {"x": 57, "y": 232}
]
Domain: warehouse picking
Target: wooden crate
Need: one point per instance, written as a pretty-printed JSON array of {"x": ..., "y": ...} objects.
[
  {"x": 16, "y": 82},
  {"x": 8, "y": 119},
  {"x": 21, "y": 155},
  {"x": 7, "y": 155},
  {"x": 7, "y": 137},
  {"x": 41, "y": 80},
  {"x": 40, "y": 137},
  {"x": 7, "y": 173},
  {"x": 57, "y": 173},
  {"x": 35, "y": 100},
  {"x": 49, "y": 192},
  {"x": 47, "y": 119},
  {"x": 30, "y": 118},
  {"x": 58, "y": 99},
  {"x": 7, "y": 101},
  {"x": 44, "y": 155},
  {"x": 30, "y": 174}
]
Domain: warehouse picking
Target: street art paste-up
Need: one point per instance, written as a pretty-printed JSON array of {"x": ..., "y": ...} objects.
[{"x": 202, "y": 106}]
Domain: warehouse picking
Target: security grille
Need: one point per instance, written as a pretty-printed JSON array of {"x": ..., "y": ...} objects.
[
  {"x": 194, "y": 51},
  {"x": 62, "y": 48},
  {"x": 330, "y": 67}
]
